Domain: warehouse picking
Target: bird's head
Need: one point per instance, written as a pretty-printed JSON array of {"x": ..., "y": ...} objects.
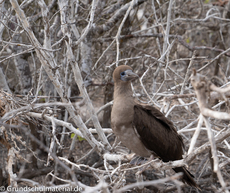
[{"x": 123, "y": 74}]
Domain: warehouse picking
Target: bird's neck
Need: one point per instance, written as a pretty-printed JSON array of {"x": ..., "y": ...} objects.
[
  {"x": 122, "y": 111},
  {"x": 123, "y": 91}
]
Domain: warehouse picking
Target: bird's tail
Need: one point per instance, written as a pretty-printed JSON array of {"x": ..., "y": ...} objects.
[{"x": 187, "y": 176}]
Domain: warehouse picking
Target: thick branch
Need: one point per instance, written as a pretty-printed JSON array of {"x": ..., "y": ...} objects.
[
  {"x": 49, "y": 65},
  {"x": 202, "y": 87}
]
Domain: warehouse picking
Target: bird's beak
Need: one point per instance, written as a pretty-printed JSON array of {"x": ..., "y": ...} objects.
[{"x": 130, "y": 75}]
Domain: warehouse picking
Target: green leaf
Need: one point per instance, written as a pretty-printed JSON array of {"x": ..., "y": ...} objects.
[
  {"x": 206, "y": 1},
  {"x": 79, "y": 138},
  {"x": 187, "y": 40},
  {"x": 72, "y": 135}
]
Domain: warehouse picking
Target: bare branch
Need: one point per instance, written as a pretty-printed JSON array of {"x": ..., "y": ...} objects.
[{"x": 202, "y": 88}]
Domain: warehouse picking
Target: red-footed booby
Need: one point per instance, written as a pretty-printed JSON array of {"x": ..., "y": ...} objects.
[{"x": 144, "y": 129}]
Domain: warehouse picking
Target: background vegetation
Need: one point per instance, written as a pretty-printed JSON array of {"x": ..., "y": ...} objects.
[{"x": 56, "y": 64}]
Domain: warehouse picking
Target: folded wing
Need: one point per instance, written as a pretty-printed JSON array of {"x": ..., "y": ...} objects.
[{"x": 157, "y": 133}]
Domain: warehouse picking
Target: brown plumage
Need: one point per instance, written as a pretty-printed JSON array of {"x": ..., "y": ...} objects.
[{"x": 144, "y": 129}]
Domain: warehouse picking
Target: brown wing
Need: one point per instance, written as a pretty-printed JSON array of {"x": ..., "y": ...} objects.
[{"x": 157, "y": 133}]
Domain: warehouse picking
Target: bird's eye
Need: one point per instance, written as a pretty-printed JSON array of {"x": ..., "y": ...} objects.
[{"x": 122, "y": 73}]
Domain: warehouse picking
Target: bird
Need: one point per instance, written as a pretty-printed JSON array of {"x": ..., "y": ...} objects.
[{"x": 143, "y": 128}]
